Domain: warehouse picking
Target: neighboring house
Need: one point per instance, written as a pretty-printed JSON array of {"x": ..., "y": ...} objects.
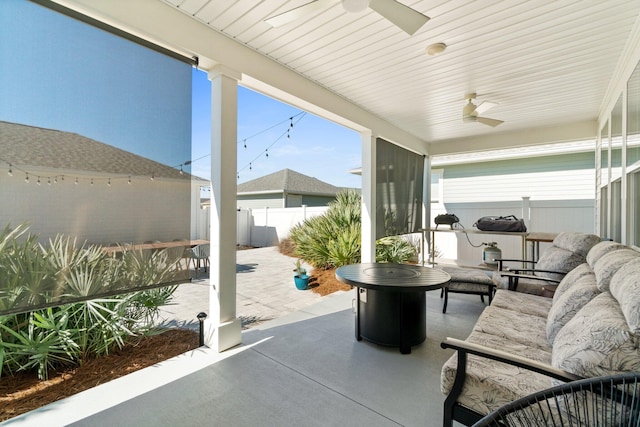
[
  {"x": 285, "y": 189},
  {"x": 61, "y": 182}
]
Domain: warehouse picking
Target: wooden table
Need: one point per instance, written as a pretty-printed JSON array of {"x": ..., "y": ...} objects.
[
  {"x": 391, "y": 304},
  {"x": 535, "y": 237},
  {"x": 151, "y": 246}
]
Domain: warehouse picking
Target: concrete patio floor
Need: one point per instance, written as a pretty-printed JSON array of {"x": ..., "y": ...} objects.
[{"x": 303, "y": 368}]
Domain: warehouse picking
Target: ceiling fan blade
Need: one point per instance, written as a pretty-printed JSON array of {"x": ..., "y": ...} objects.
[
  {"x": 407, "y": 19},
  {"x": 490, "y": 122},
  {"x": 485, "y": 106},
  {"x": 298, "y": 12}
]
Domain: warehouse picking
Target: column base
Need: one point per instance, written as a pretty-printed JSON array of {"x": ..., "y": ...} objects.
[{"x": 223, "y": 336}]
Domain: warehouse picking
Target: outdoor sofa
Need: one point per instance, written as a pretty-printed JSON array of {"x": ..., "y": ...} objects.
[{"x": 524, "y": 343}]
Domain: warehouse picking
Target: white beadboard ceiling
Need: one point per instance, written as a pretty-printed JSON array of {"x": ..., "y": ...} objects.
[{"x": 546, "y": 63}]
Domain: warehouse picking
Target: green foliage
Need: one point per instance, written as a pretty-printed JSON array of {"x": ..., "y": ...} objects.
[
  {"x": 334, "y": 239},
  {"x": 395, "y": 249},
  {"x": 68, "y": 334}
]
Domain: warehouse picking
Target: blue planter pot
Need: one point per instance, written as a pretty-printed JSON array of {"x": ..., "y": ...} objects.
[{"x": 302, "y": 281}]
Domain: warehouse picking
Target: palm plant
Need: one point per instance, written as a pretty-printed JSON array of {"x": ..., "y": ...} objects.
[
  {"x": 334, "y": 239},
  {"x": 65, "y": 334}
]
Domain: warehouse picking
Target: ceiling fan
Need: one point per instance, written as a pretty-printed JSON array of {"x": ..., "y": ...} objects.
[
  {"x": 404, "y": 17},
  {"x": 471, "y": 112}
]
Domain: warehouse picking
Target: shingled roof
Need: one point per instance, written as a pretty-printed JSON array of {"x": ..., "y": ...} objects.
[
  {"x": 288, "y": 181},
  {"x": 26, "y": 146}
]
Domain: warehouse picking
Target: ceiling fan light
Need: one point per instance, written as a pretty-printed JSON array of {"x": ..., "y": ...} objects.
[
  {"x": 435, "y": 49},
  {"x": 355, "y": 6},
  {"x": 468, "y": 109}
]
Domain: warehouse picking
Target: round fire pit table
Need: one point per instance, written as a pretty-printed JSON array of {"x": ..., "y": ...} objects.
[{"x": 391, "y": 304}]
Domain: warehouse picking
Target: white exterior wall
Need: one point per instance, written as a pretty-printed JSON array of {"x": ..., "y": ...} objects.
[{"x": 144, "y": 210}]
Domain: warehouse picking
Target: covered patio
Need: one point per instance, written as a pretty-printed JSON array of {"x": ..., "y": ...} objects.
[{"x": 557, "y": 70}]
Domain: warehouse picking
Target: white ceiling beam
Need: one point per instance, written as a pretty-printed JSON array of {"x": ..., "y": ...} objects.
[{"x": 540, "y": 135}]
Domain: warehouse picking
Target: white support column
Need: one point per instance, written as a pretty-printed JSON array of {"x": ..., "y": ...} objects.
[
  {"x": 368, "y": 197},
  {"x": 223, "y": 329}
]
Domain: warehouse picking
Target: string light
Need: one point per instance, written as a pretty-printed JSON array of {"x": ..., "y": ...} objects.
[
  {"x": 53, "y": 179},
  {"x": 287, "y": 132}
]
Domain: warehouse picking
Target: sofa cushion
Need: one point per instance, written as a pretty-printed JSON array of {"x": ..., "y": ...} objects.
[
  {"x": 625, "y": 288},
  {"x": 571, "y": 278},
  {"x": 558, "y": 259},
  {"x": 569, "y": 302},
  {"x": 579, "y": 243},
  {"x": 601, "y": 249},
  {"x": 534, "y": 305},
  {"x": 597, "y": 341},
  {"x": 610, "y": 263},
  {"x": 516, "y": 327},
  {"x": 490, "y": 384}
]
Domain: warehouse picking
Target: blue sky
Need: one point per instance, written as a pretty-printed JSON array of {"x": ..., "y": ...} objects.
[
  {"x": 59, "y": 73},
  {"x": 315, "y": 147}
]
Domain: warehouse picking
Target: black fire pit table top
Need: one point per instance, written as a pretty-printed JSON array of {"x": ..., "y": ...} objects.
[{"x": 392, "y": 277}]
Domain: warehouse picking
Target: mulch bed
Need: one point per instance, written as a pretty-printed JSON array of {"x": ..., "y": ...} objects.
[{"x": 23, "y": 392}]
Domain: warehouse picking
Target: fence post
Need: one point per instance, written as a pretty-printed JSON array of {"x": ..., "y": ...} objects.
[
  {"x": 526, "y": 210},
  {"x": 266, "y": 225}
]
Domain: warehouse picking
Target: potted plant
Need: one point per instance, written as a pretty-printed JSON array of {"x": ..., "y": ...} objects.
[{"x": 300, "y": 276}]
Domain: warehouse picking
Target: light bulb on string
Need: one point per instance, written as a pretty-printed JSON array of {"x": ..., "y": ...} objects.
[
  {"x": 10, "y": 173},
  {"x": 49, "y": 181},
  {"x": 109, "y": 182},
  {"x": 38, "y": 181},
  {"x": 129, "y": 181},
  {"x": 76, "y": 180},
  {"x": 250, "y": 168},
  {"x": 266, "y": 152},
  {"x": 55, "y": 180},
  {"x": 245, "y": 144},
  {"x": 153, "y": 176},
  {"x": 291, "y": 125},
  {"x": 91, "y": 181},
  {"x": 26, "y": 179}
]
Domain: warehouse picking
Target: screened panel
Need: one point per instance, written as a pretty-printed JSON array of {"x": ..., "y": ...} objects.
[
  {"x": 95, "y": 147},
  {"x": 399, "y": 186}
]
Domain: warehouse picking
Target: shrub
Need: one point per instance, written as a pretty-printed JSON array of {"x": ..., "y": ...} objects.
[
  {"x": 68, "y": 334},
  {"x": 334, "y": 239}
]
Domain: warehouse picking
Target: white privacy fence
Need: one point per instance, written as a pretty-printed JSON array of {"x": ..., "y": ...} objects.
[
  {"x": 550, "y": 216},
  {"x": 268, "y": 226}
]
